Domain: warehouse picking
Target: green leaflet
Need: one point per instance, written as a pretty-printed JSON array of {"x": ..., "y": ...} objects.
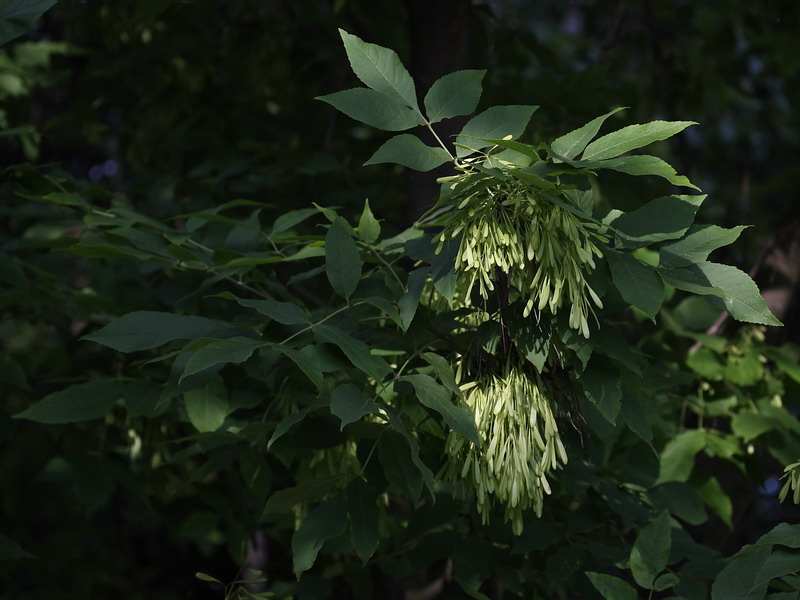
[
  {"x": 610, "y": 587},
  {"x": 642, "y": 164},
  {"x": 434, "y": 396},
  {"x": 380, "y": 69},
  {"x": 144, "y": 329},
  {"x": 574, "y": 142},
  {"x": 324, "y": 522},
  {"x": 443, "y": 370},
  {"x": 398, "y": 426},
  {"x": 665, "y": 218},
  {"x": 737, "y": 293},
  {"x": 637, "y": 283},
  {"x": 307, "y": 490},
  {"x": 717, "y": 500},
  {"x": 601, "y": 383},
  {"x": 778, "y": 564},
  {"x": 742, "y": 298},
  {"x": 16, "y": 16},
  {"x": 342, "y": 261},
  {"x": 650, "y": 551},
  {"x": 632, "y": 137},
  {"x": 362, "y": 512},
  {"x": 495, "y": 122},
  {"x": 409, "y": 301},
  {"x": 286, "y": 424},
  {"x": 290, "y": 219},
  {"x": 394, "y": 453},
  {"x": 784, "y": 534},
  {"x": 356, "y": 351},
  {"x": 697, "y": 244},
  {"x": 737, "y": 581},
  {"x": 305, "y": 362},
  {"x": 231, "y": 350},
  {"x": 408, "y": 150},
  {"x": 369, "y": 230},
  {"x": 454, "y": 95},
  {"x": 282, "y": 312},
  {"x": 374, "y": 108},
  {"x": 635, "y": 412},
  {"x": 677, "y": 458},
  {"x": 350, "y": 404},
  {"x": 680, "y": 499},
  {"x": 208, "y": 406},
  {"x": 750, "y": 425},
  {"x": 81, "y": 402}
]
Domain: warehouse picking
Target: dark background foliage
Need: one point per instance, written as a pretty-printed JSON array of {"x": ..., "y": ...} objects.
[{"x": 175, "y": 106}]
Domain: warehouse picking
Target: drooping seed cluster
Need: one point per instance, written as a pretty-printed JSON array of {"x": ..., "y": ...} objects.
[
  {"x": 545, "y": 250},
  {"x": 520, "y": 444}
]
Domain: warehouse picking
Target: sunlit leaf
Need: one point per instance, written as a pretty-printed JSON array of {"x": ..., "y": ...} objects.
[
  {"x": 454, "y": 95},
  {"x": 632, "y": 137},
  {"x": 380, "y": 69},
  {"x": 81, "y": 402},
  {"x": 408, "y": 150}
]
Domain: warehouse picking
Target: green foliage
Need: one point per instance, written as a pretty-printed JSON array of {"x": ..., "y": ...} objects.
[{"x": 477, "y": 399}]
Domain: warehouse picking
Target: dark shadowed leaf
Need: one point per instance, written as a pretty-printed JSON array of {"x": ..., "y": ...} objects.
[
  {"x": 17, "y": 16},
  {"x": 362, "y": 511},
  {"x": 409, "y": 301},
  {"x": 307, "y": 490},
  {"x": 356, "y": 351},
  {"x": 350, "y": 404},
  {"x": 327, "y": 520},
  {"x": 232, "y": 350},
  {"x": 602, "y": 386},
  {"x": 665, "y": 218},
  {"x": 10, "y": 550},
  {"x": 394, "y": 453},
  {"x": 81, "y": 402},
  {"x": 638, "y": 283},
  {"x": 434, "y": 396},
  {"x": 306, "y": 362},
  {"x": 342, "y": 261},
  {"x": 144, "y": 329}
]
